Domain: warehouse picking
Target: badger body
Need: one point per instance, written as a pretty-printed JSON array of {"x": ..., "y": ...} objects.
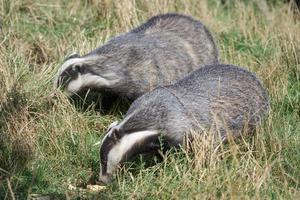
[
  {"x": 160, "y": 51},
  {"x": 219, "y": 99}
]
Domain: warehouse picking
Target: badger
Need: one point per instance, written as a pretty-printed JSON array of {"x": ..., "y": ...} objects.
[
  {"x": 220, "y": 98},
  {"x": 158, "y": 52}
]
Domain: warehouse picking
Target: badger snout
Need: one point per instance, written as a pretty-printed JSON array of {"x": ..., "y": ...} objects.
[{"x": 104, "y": 179}]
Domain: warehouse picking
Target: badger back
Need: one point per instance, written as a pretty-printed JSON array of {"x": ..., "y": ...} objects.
[
  {"x": 196, "y": 39},
  {"x": 223, "y": 96}
]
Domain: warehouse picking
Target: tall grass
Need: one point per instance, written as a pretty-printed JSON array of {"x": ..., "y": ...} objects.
[{"x": 46, "y": 148}]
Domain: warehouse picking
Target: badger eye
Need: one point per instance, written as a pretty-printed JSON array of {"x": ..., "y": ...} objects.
[{"x": 76, "y": 68}]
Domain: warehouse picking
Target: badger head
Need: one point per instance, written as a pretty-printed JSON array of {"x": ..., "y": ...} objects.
[
  {"x": 120, "y": 144},
  {"x": 89, "y": 72}
]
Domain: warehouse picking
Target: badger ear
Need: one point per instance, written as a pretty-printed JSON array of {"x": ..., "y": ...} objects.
[
  {"x": 112, "y": 125},
  {"x": 72, "y": 55}
]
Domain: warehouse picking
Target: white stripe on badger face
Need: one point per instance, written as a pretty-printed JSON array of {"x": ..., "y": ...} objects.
[
  {"x": 72, "y": 61},
  {"x": 88, "y": 80},
  {"x": 116, "y": 154},
  {"x": 85, "y": 80}
]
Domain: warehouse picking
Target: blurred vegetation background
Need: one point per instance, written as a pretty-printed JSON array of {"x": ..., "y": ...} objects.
[{"x": 45, "y": 149}]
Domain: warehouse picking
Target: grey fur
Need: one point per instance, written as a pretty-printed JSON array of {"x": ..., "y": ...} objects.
[
  {"x": 219, "y": 98},
  {"x": 160, "y": 51},
  {"x": 232, "y": 93}
]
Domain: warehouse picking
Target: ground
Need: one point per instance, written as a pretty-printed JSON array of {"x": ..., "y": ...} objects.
[{"x": 48, "y": 149}]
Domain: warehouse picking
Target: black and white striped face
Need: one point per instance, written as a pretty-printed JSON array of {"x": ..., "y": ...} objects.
[
  {"x": 78, "y": 73},
  {"x": 118, "y": 146}
]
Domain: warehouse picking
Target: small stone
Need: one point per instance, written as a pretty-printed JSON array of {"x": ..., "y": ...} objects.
[{"x": 95, "y": 188}]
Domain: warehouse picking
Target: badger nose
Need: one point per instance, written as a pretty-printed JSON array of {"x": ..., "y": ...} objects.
[{"x": 104, "y": 180}]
